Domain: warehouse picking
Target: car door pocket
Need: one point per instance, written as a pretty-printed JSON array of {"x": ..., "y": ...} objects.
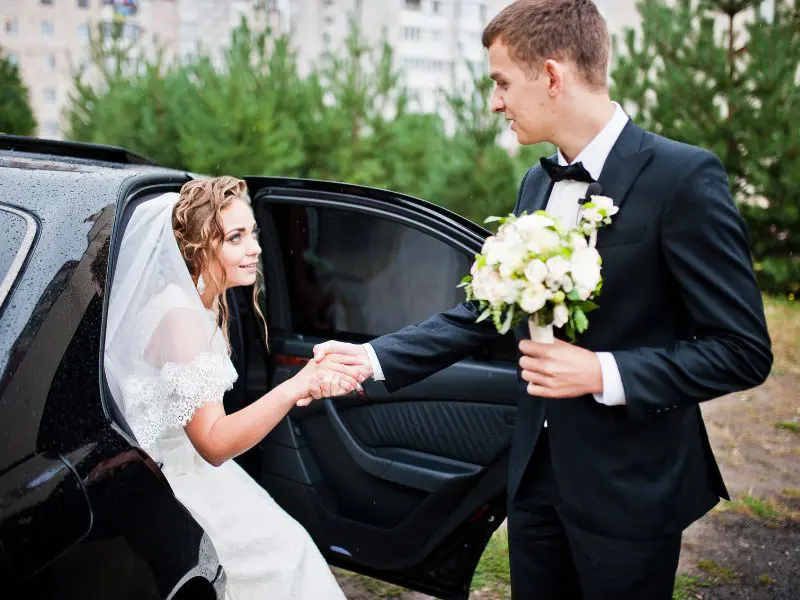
[{"x": 405, "y": 467}]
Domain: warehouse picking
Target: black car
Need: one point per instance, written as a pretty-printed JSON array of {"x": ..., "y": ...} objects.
[{"x": 406, "y": 487}]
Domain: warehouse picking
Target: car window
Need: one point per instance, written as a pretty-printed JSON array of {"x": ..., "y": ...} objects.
[
  {"x": 358, "y": 276},
  {"x": 19, "y": 230}
]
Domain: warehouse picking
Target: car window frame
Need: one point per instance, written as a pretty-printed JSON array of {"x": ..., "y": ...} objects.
[{"x": 23, "y": 252}]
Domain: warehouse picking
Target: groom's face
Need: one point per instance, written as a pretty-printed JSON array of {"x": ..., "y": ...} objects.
[{"x": 522, "y": 95}]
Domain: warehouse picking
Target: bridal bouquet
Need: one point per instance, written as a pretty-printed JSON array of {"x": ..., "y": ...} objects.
[{"x": 535, "y": 268}]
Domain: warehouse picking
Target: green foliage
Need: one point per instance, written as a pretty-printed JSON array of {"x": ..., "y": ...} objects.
[
  {"x": 251, "y": 113},
  {"x": 16, "y": 116},
  {"x": 719, "y": 75}
]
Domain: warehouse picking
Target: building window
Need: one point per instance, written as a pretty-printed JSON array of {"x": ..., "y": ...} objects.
[
  {"x": 412, "y": 33},
  {"x": 131, "y": 32},
  {"x": 12, "y": 59},
  {"x": 482, "y": 9},
  {"x": 50, "y": 62},
  {"x": 47, "y": 29},
  {"x": 436, "y": 7},
  {"x": 49, "y": 95},
  {"x": 46, "y": 2},
  {"x": 12, "y": 25},
  {"x": 83, "y": 32},
  {"x": 50, "y": 128},
  {"x": 414, "y": 4},
  {"x": 83, "y": 3}
]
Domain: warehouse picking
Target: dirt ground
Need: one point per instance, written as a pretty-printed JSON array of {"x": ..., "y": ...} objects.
[{"x": 747, "y": 549}]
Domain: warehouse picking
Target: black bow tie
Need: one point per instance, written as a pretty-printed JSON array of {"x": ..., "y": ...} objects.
[{"x": 574, "y": 172}]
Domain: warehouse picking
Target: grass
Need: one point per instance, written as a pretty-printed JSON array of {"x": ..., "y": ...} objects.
[
  {"x": 717, "y": 573},
  {"x": 760, "y": 508},
  {"x": 493, "y": 572},
  {"x": 792, "y": 426},
  {"x": 687, "y": 587}
]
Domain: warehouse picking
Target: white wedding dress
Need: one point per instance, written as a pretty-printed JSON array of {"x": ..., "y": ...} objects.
[{"x": 165, "y": 358}]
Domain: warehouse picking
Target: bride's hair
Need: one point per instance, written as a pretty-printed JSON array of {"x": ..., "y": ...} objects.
[{"x": 197, "y": 223}]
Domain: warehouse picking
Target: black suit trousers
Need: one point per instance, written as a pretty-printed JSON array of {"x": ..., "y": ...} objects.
[{"x": 553, "y": 559}]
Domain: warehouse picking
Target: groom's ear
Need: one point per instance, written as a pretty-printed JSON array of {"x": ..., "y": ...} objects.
[{"x": 554, "y": 75}]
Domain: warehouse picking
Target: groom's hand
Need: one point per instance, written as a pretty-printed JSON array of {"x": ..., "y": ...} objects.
[
  {"x": 346, "y": 354},
  {"x": 560, "y": 370}
]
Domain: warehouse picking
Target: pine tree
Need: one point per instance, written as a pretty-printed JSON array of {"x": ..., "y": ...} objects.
[
  {"x": 720, "y": 75},
  {"x": 16, "y": 116}
]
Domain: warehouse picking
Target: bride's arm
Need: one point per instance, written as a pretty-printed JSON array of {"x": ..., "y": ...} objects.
[
  {"x": 218, "y": 437},
  {"x": 181, "y": 345}
]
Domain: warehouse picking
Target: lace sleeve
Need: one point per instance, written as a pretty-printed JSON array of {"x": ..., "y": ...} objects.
[{"x": 190, "y": 386}]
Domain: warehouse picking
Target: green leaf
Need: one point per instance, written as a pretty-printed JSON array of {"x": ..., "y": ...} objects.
[
  {"x": 484, "y": 315},
  {"x": 574, "y": 295},
  {"x": 581, "y": 322}
]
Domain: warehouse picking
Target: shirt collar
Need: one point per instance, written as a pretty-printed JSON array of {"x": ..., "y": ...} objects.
[{"x": 594, "y": 155}]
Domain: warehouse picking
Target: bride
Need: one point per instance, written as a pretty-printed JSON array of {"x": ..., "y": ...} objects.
[{"x": 168, "y": 366}]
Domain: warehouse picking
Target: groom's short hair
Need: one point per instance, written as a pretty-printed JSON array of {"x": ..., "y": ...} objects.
[{"x": 535, "y": 30}]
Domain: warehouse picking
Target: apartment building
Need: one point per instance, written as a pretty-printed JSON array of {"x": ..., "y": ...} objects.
[{"x": 49, "y": 39}]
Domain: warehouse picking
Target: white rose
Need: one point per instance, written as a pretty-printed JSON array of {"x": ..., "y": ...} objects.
[
  {"x": 560, "y": 315},
  {"x": 592, "y": 215},
  {"x": 534, "y": 297},
  {"x": 536, "y": 271},
  {"x": 578, "y": 241},
  {"x": 604, "y": 203},
  {"x": 585, "y": 270},
  {"x": 558, "y": 266},
  {"x": 544, "y": 241},
  {"x": 513, "y": 289},
  {"x": 530, "y": 226},
  {"x": 513, "y": 260}
]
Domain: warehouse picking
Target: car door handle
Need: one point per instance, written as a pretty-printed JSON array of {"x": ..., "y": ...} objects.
[{"x": 410, "y": 468}]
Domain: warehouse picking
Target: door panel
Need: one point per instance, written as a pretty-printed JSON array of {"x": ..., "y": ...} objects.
[{"x": 405, "y": 486}]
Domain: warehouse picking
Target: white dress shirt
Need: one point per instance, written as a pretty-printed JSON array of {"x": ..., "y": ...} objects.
[{"x": 563, "y": 203}]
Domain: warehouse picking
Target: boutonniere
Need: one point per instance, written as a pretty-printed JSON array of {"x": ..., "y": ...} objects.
[{"x": 595, "y": 214}]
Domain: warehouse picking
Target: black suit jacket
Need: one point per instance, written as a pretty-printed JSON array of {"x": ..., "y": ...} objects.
[{"x": 682, "y": 314}]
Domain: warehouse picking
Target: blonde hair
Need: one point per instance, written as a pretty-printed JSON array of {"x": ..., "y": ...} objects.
[{"x": 197, "y": 223}]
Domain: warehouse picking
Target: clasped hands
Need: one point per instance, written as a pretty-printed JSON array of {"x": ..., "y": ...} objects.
[
  {"x": 330, "y": 373},
  {"x": 557, "y": 370}
]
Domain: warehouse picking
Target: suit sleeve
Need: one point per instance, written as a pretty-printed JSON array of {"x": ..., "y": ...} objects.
[
  {"x": 704, "y": 244},
  {"x": 417, "y": 351}
]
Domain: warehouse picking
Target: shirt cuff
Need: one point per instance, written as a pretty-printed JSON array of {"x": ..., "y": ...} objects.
[
  {"x": 613, "y": 391},
  {"x": 377, "y": 372}
]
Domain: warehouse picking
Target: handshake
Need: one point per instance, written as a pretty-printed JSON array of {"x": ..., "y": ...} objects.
[{"x": 337, "y": 369}]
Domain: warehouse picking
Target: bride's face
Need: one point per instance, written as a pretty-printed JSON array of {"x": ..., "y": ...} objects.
[{"x": 240, "y": 249}]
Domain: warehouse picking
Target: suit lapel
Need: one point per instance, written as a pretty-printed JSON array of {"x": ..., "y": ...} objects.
[
  {"x": 624, "y": 163},
  {"x": 537, "y": 191}
]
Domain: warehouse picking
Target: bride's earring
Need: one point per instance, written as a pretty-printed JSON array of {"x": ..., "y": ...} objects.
[{"x": 201, "y": 285}]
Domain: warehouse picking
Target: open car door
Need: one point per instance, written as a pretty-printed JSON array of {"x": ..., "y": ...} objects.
[{"x": 405, "y": 487}]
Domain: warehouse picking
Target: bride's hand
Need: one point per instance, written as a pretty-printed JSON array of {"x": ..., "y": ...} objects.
[{"x": 324, "y": 380}]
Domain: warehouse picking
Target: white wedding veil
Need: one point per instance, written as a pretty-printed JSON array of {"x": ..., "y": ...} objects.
[{"x": 164, "y": 354}]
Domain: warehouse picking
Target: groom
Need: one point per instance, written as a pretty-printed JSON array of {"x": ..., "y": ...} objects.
[{"x": 610, "y": 460}]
